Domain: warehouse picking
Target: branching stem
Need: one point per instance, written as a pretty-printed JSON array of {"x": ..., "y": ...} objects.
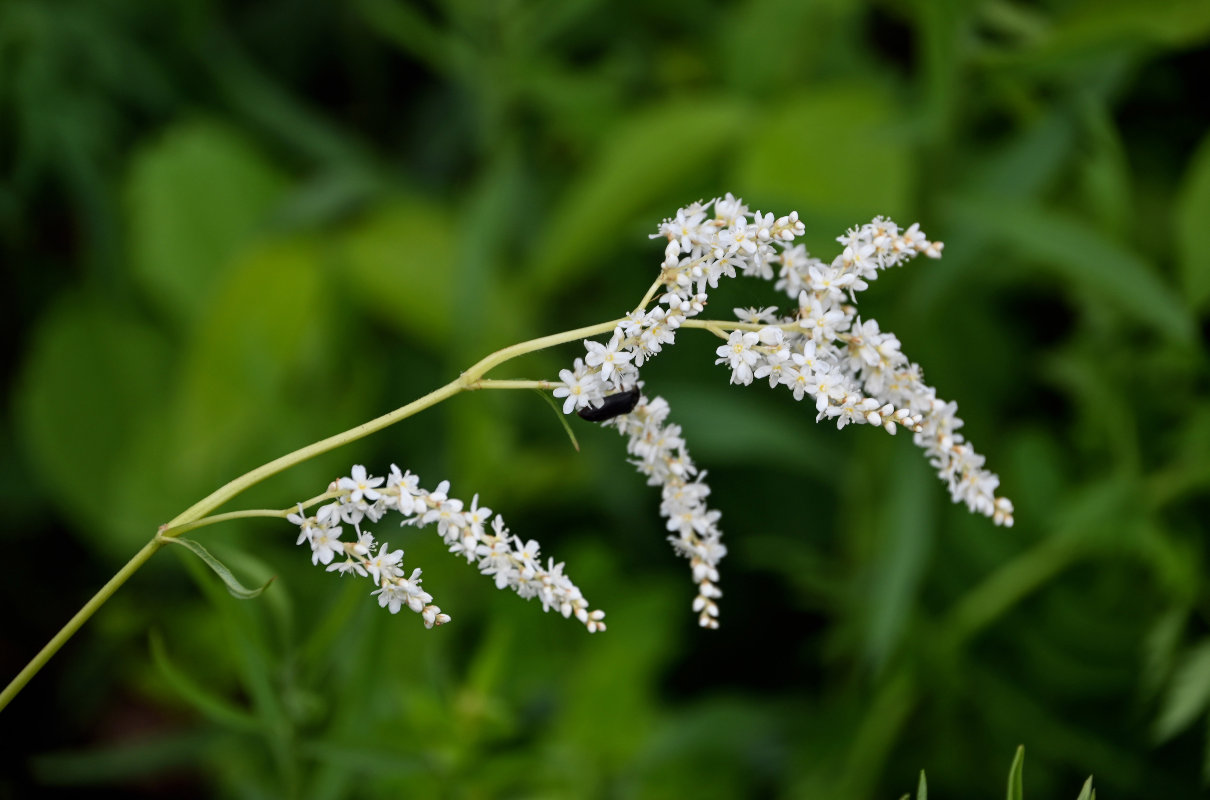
[{"x": 196, "y": 517}]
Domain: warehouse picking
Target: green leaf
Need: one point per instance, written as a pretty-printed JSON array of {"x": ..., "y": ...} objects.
[
  {"x": 210, "y": 705},
  {"x": 90, "y": 389},
  {"x": 124, "y": 763},
  {"x": 1187, "y": 695},
  {"x": 1015, "y": 785},
  {"x": 1096, "y": 267},
  {"x": 1088, "y": 793},
  {"x": 400, "y": 265},
  {"x": 236, "y": 588},
  {"x": 562, "y": 418},
  {"x": 1190, "y": 218},
  {"x": 922, "y": 789},
  {"x": 643, "y": 157},
  {"x": 260, "y": 341},
  {"x": 833, "y": 154},
  {"x": 195, "y": 197},
  {"x": 1106, "y": 28},
  {"x": 905, "y": 533},
  {"x": 753, "y": 433}
]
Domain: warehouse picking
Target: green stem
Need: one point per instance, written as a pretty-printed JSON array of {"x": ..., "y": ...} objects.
[
  {"x": 177, "y": 530},
  {"x": 196, "y": 515},
  {"x": 488, "y": 383},
  {"x": 74, "y": 624},
  {"x": 464, "y": 381}
]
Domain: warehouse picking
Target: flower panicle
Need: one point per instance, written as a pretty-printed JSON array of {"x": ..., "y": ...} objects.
[
  {"x": 469, "y": 531},
  {"x": 659, "y": 452},
  {"x": 852, "y": 370}
]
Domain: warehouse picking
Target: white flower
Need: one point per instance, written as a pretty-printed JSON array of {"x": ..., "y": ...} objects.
[
  {"x": 605, "y": 356},
  {"x": 360, "y": 485},
  {"x": 739, "y": 355},
  {"x": 580, "y": 387},
  {"x": 324, "y": 544},
  {"x": 820, "y": 320},
  {"x": 477, "y": 515},
  {"x": 512, "y": 562},
  {"x": 406, "y": 485},
  {"x": 385, "y": 566}
]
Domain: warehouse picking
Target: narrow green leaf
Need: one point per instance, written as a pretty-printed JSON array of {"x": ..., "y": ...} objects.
[
  {"x": 562, "y": 418},
  {"x": 206, "y": 702},
  {"x": 1191, "y": 213},
  {"x": 1015, "y": 786},
  {"x": 643, "y": 157},
  {"x": 1087, "y": 793},
  {"x": 1188, "y": 693},
  {"x": 1096, "y": 266},
  {"x": 905, "y": 540},
  {"x": 126, "y": 762},
  {"x": 922, "y": 790},
  {"x": 236, "y": 588}
]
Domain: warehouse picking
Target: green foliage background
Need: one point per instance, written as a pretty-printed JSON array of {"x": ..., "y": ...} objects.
[{"x": 231, "y": 229}]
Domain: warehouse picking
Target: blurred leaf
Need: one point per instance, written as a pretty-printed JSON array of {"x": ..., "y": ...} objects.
[
  {"x": 400, "y": 264},
  {"x": 1088, "y": 793},
  {"x": 1028, "y": 163},
  {"x": 1191, "y": 216},
  {"x": 1105, "y": 172},
  {"x": 233, "y": 585},
  {"x": 1090, "y": 29},
  {"x": 273, "y": 108},
  {"x": 561, "y": 417},
  {"x": 1016, "y": 786},
  {"x": 883, "y": 719},
  {"x": 195, "y": 197},
  {"x": 835, "y": 154},
  {"x": 1160, "y": 650},
  {"x": 906, "y": 530},
  {"x": 258, "y": 659},
  {"x": 922, "y": 790},
  {"x": 1188, "y": 471},
  {"x": 645, "y": 156},
  {"x": 92, "y": 380},
  {"x": 211, "y": 706},
  {"x": 409, "y": 29},
  {"x": 1070, "y": 250},
  {"x": 753, "y": 433},
  {"x": 1187, "y": 695},
  {"x": 775, "y": 29},
  {"x": 264, "y": 328},
  {"x": 125, "y": 762}
]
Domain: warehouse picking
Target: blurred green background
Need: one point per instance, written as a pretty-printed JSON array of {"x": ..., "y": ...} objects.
[{"x": 229, "y": 229}]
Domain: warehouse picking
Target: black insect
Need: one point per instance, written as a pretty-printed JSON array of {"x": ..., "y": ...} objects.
[{"x": 615, "y": 405}]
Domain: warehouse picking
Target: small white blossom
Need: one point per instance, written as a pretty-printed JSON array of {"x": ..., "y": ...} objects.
[
  {"x": 739, "y": 354},
  {"x": 512, "y": 563}
]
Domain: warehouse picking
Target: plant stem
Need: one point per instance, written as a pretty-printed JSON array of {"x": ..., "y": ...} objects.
[
  {"x": 74, "y": 624},
  {"x": 189, "y": 518},
  {"x": 195, "y": 516},
  {"x": 488, "y": 383}
]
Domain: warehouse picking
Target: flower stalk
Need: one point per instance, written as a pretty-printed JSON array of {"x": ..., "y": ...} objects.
[{"x": 851, "y": 370}]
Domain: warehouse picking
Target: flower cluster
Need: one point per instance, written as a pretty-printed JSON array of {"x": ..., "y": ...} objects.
[
  {"x": 511, "y": 562},
  {"x": 854, "y": 371},
  {"x": 660, "y": 454},
  {"x": 851, "y": 370}
]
